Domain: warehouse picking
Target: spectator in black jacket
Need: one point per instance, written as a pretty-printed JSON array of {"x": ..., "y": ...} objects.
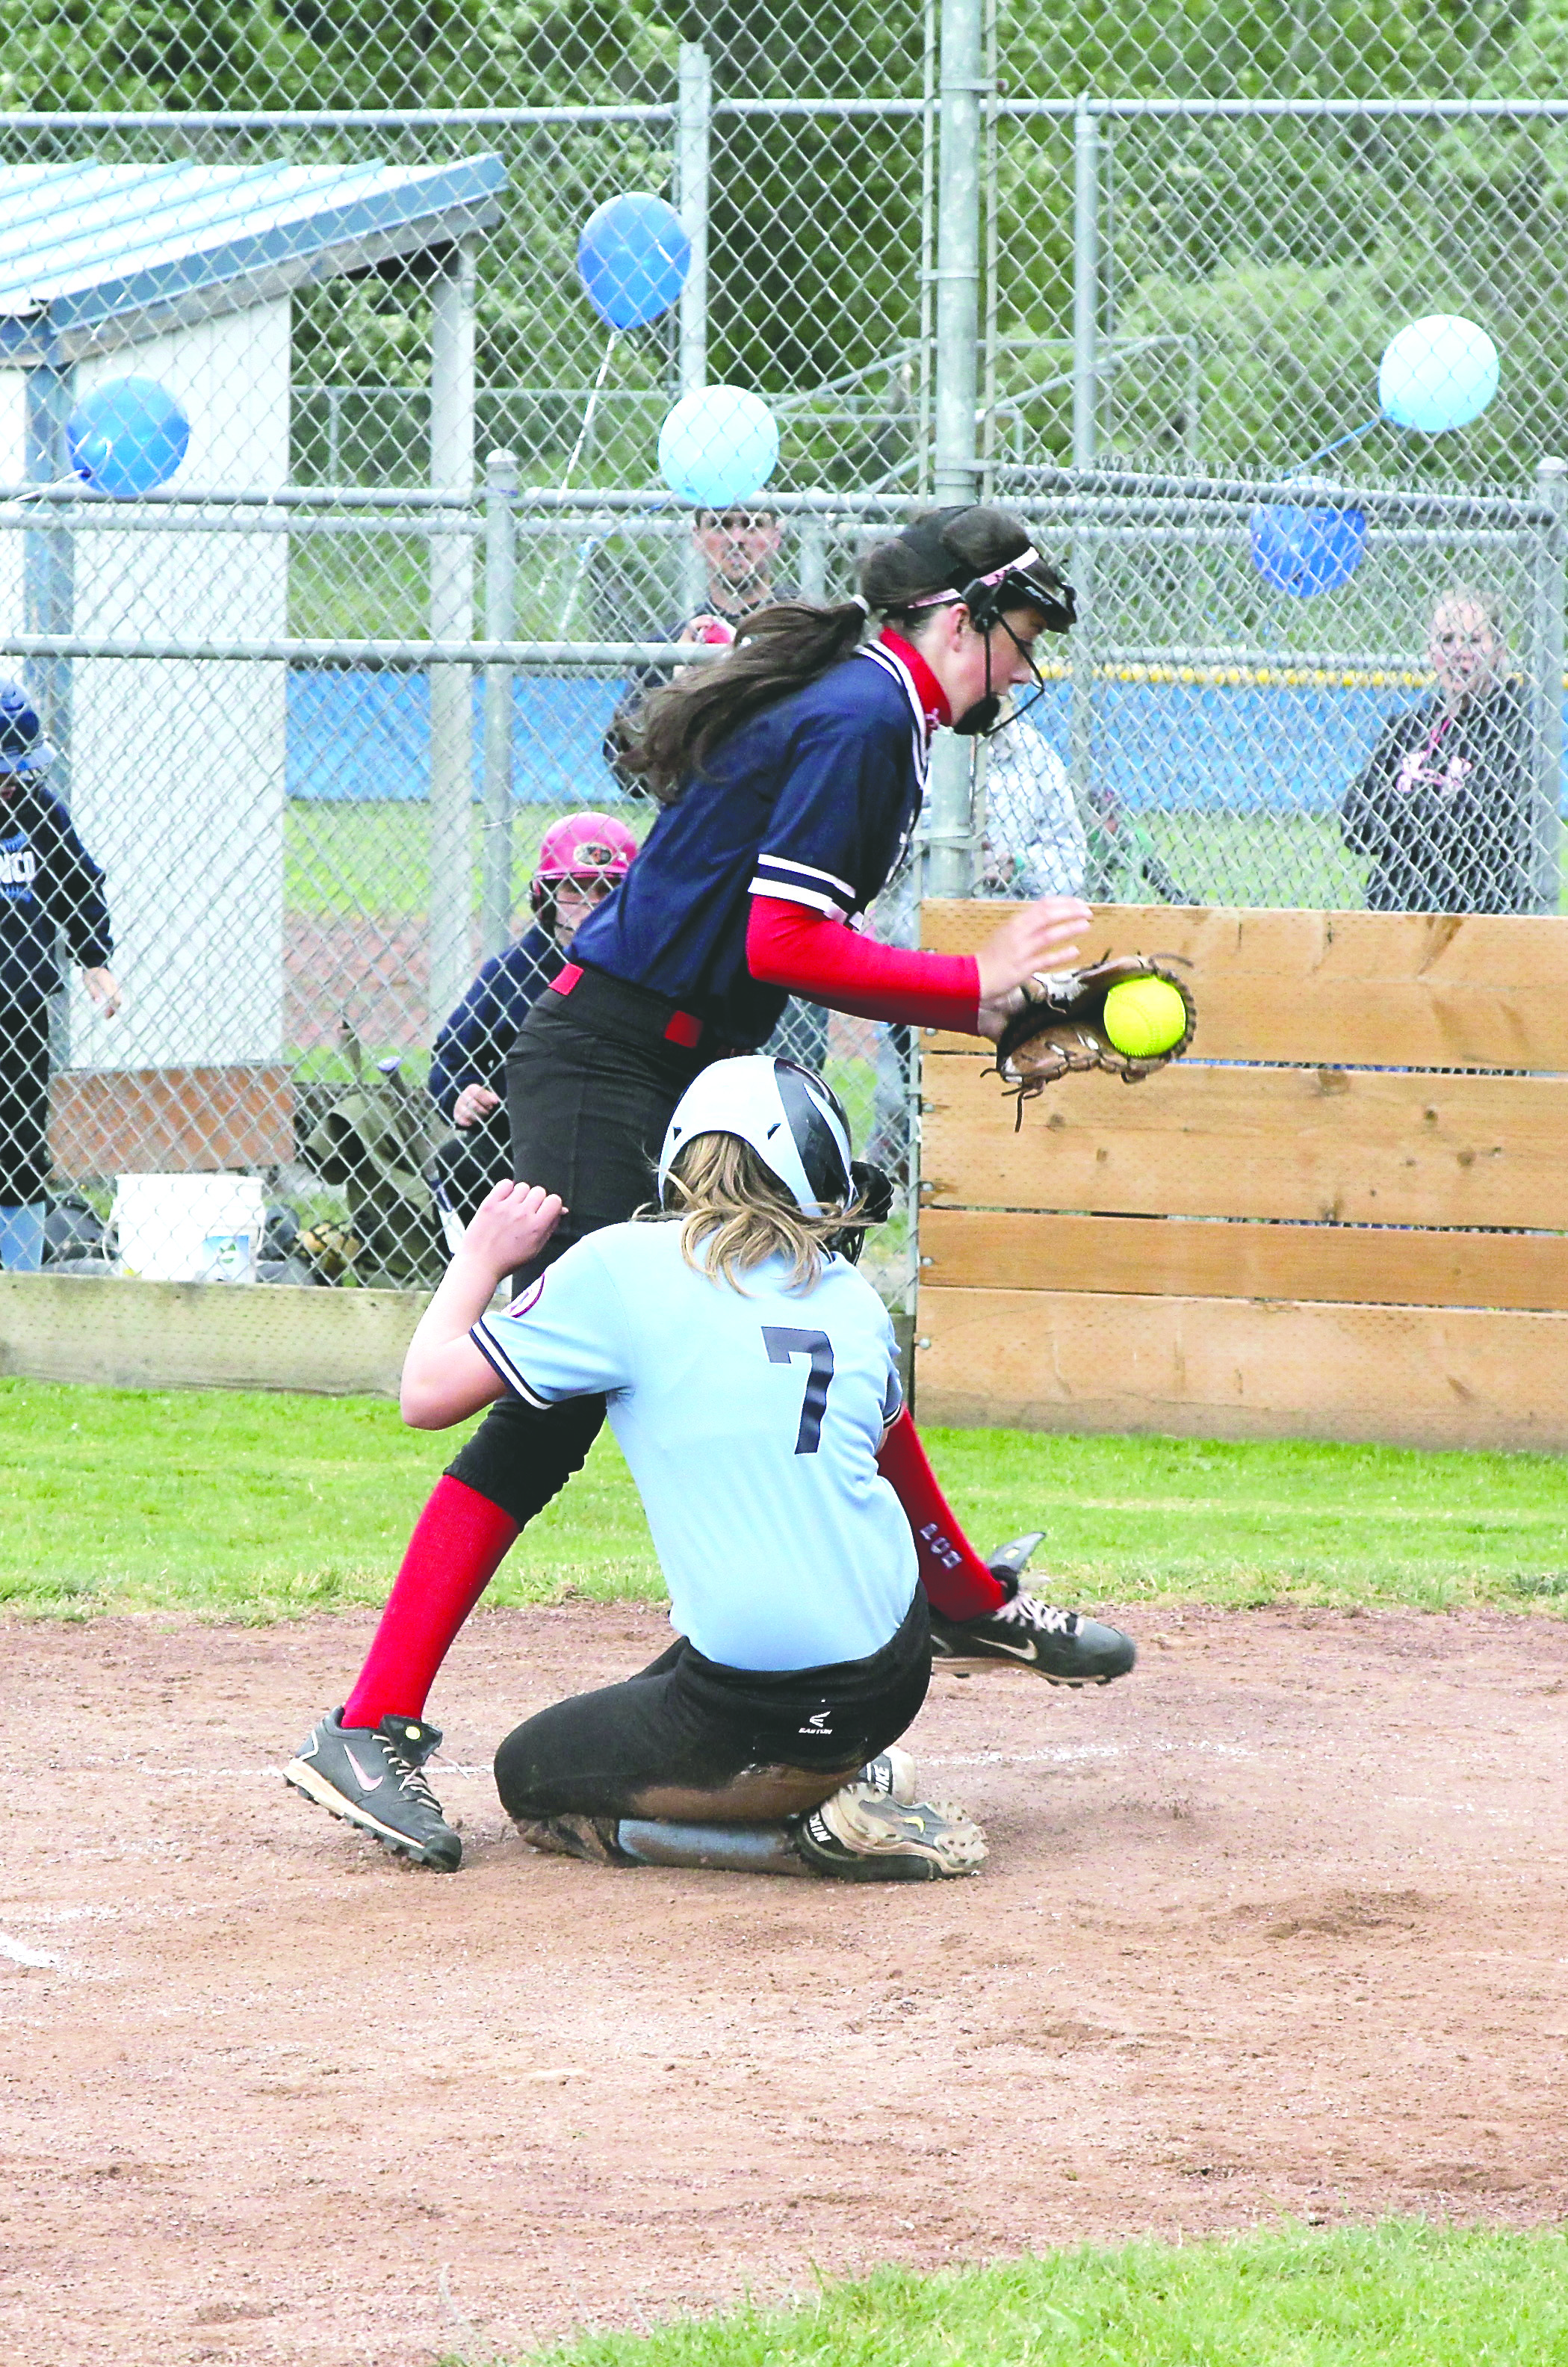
[
  {"x": 1444, "y": 808},
  {"x": 581, "y": 859},
  {"x": 50, "y": 887}
]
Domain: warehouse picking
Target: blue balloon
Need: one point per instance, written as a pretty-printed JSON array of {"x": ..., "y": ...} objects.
[
  {"x": 1304, "y": 551},
  {"x": 633, "y": 258},
  {"x": 720, "y": 445},
  {"x": 127, "y": 437}
]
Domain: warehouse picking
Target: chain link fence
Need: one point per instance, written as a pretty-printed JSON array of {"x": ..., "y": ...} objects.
[{"x": 317, "y": 700}]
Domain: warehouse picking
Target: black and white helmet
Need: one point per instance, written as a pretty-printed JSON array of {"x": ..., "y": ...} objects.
[{"x": 794, "y": 1122}]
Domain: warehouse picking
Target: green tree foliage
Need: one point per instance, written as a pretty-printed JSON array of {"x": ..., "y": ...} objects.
[{"x": 1273, "y": 257}]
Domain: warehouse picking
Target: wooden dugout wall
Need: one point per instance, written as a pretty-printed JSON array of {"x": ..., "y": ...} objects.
[{"x": 1305, "y": 1230}]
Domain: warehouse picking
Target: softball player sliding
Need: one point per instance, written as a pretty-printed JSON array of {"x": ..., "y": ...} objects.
[
  {"x": 751, "y": 1374},
  {"x": 791, "y": 776}
]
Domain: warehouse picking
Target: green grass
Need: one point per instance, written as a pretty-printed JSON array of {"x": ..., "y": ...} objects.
[
  {"x": 344, "y": 861},
  {"x": 240, "y": 1505},
  {"x": 251, "y": 1506},
  {"x": 1401, "y": 2294}
]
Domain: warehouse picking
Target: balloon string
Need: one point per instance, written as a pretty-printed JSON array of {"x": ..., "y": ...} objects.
[
  {"x": 1365, "y": 429},
  {"x": 588, "y": 415},
  {"x": 587, "y": 550}
]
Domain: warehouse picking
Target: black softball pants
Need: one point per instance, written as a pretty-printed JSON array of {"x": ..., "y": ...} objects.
[
  {"x": 24, "y": 1104},
  {"x": 690, "y": 1724},
  {"x": 591, "y": 1084}
]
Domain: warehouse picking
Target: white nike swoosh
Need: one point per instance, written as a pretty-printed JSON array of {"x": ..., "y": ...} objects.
[
  {"x": 371, "y": 1782},
  {"x": 1018, "y": 1651}
]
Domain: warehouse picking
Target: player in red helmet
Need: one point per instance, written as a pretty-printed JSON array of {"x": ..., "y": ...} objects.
[{"x": 582, "y": 859}]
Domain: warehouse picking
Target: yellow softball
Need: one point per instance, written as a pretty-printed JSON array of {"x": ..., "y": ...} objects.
[{"x": 1143, "y": 1017}]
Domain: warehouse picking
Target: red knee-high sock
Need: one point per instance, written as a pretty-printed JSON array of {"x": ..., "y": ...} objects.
[
  {"x": 956, "y": 1580},
  {"x": 459, "y": 1544}
]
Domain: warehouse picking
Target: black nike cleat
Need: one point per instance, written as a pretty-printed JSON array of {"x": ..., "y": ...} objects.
[
  {"x": 863, "y": 1835},
  {"x": 1023, "y": 1632},
  {"x": 892, "y": 1772},
  {"x": 374, "y": 1777}
]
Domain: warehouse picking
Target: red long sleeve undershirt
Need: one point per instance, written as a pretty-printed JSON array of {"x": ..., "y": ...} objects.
[{"x": 793, "y": 947}]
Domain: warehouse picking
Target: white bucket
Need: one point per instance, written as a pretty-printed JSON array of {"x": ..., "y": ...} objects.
[{"x": 190, "y": 1227}]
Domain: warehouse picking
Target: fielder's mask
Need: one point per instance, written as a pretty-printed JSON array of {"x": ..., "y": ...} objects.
[
  {"x": 1024, "y": 581},
  {"x": 23, "y": 748},
  {"x": 794, "y": 1122}
]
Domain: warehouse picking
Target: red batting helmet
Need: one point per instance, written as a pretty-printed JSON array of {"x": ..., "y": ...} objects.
[{"x": 588, "y": 847}]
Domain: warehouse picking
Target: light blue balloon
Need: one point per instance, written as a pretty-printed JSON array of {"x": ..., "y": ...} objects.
[
  {"x": 1304, "y": 551},
  {"x": 127, "y": 437},
  {"x": 1439, "y": 373},
  {"x": 632, "y": 256},
  {"x": 720, "y": 445}
]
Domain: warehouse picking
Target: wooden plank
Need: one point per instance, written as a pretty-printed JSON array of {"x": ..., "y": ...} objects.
[
  {"x": 162, "y": 1335},
  {"x": 1159, "y": 1257},
  {"x": 170, "y": 1121},
  {"x": 1243, "y": 1368},
  {"x": 1324, "y": 1146},
  {"x": 1400, "y": 990}
]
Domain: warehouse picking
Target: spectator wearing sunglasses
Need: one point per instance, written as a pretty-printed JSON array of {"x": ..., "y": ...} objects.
[
  {"x": 1443, "y": 811},
  {"x": 739, "y": 548}
]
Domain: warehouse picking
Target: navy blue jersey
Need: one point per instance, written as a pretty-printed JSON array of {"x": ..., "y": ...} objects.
[
  {"x": 48, "y": 881},
  {"x": 472, "y": 1047},
  {"x": 812, "y": 801}
]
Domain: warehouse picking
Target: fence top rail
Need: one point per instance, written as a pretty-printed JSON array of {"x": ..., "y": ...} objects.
[
  {"x": 1196, "y": 106},
  {"x": 1104, "y": 496},
  {"x": 74, "y": 491},
  {"x": 1107, "y": 485},
  {"x": 654, "y": 499},
  {"x": 651, "y": 499},
  {"x": 380, "y": 119},
  {"x": 610, "y": 656}
]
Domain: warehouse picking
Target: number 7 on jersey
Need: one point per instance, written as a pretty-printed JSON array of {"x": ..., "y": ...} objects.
[{"x": 782, "y": 1343}]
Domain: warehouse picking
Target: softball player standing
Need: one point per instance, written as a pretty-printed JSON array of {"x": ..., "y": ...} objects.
[{"x": 791, "y": 776}]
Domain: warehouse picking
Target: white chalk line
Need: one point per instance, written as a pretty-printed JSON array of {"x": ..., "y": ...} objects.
[{"x": 18, "y": 1952}]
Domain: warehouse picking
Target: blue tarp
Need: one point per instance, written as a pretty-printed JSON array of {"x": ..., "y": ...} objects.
[
  {"x": 357, "y": 734},
  {"x": 1171, "y": 747}
]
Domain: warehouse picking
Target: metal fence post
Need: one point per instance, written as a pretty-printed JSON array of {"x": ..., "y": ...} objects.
[
  {"x": 1086, "y": 445},
  {"x": 1085, "y": 285},
  {"x": 1552, "y": 549},
  {"x": 47, "y": 566},
  {"x": 950, "y": 865},
  {"x": 813, "y": 548},
  {"x": 451, "y": 619},
  {"x": 693, "y": 166},
  {"x": 501, "y": 582}
]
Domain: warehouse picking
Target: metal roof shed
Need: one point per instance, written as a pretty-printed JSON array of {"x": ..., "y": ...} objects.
[{"x": 183, "y": 272}]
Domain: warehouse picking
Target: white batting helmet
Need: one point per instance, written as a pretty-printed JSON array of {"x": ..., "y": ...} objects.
[{"x": 794, "y": 1122}]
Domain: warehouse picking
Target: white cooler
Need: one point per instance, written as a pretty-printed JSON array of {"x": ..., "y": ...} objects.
[{"x": 190, "y": 1227}]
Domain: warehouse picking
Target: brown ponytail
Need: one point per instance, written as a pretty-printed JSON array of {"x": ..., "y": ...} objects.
[{"x": 676, "y": 732}]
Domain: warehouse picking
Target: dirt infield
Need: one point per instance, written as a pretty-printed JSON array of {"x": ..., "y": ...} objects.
[{"x": 1275, "y": 1925}]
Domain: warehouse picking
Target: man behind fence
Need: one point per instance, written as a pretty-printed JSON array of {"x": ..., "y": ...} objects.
[
  {"x": 49, "y": 883},
  {"x": 1444, "y": 808}
]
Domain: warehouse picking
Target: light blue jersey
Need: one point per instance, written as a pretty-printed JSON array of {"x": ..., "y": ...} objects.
[{"x": 751, "y": 1426}]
